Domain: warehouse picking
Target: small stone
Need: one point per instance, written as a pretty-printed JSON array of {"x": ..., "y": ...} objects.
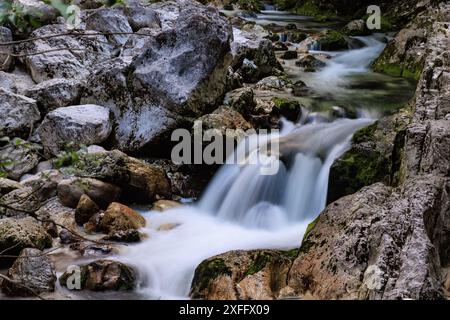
[
  {"x": 164, "y": 205},
  {"x": 85, "y": 209},
  {"x": 119, "y": 217}
]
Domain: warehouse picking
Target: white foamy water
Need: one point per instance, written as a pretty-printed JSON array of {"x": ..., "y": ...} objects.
[
  {"x": 242, "y": 209},
  {"x": 332, "y": 79}
]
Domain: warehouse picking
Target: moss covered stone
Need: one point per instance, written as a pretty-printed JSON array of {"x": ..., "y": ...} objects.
[
  {"x": 375, "y": 156},
  {"x": 209, "y": 270},
  {"x": 331, "y": 40},
  {"x": 310, "y": 8},
  {"x": 290, "y": 109}
]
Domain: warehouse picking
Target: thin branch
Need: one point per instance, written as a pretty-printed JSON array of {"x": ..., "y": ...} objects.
[
  {"x": 41, "y": 52},
  {"x": 30, "y": 257},
  {"x": 10, "y": 248},
  {"x": 73, "y": 34}
]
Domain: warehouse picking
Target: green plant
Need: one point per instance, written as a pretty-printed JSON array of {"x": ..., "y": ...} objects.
[
  {"x": 17, "y": 18},
  {"x": 69, "y": 157}
]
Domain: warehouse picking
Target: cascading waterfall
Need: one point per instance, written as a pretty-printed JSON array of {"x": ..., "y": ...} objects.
[{"x": 242, "y": 209}]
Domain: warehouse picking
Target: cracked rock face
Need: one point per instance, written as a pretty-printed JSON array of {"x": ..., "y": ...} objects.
[{"x": 392, "y": 243}]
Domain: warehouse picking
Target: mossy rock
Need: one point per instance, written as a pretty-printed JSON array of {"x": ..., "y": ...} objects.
[
  {"x": 290, "y": 109},
  {"x": 209, "y": 270},
  {"x": 309, "y": 8},
  {"x": 332, "y": 40},
  {"x": 375, "y": 156},
  {"x": 250, "y": 5}
]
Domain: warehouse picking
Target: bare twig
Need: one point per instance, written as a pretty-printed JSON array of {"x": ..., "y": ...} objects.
[
  {"x": 73, "y": 34},
  {"x": 10, "y": 248},
  {"x": 30, "y": 257},
  {"x": 41, "y": 52}
]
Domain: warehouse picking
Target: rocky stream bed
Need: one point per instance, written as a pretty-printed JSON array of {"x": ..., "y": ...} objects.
[{"x": 359, "y": 209}]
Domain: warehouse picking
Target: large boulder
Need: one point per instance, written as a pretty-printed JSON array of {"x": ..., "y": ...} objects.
[
  {"x": 374, "y": 245},
  {"x": 19, "y": 114},
  {"x": 242, "y": 275},
  {"x": 18, "y": 234},
  {"x": 103, "y": 275},
  {"x": 103, "y": 193},
  {"x": 180, "y": 72},
  {"x": 32, "y": 273},
  {"x": 84, "y": 53},
  {"x": 55, "y": 93},
  {"x": 76, "y": 125},
  {"x": 140, "y": 181},
  {"x": 119, "y": 217},
  {"x": 405, "y": 54},
  {"x": 6, "y": 60}
]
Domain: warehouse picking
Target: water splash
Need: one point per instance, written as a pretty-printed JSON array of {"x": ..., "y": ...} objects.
[{"x": 242, "y": 209}]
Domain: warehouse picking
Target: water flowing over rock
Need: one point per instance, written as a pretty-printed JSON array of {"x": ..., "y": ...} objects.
[
  {"x": 78, "y": 125},
  {"x": 19, "y": 114},
  {"x": 181, "y": 71},
  {"x": 386, "y": 243},
  {"x": 32, "y": 273}
]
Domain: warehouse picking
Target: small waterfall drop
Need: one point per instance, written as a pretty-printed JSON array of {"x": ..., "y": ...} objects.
[{"x": 243, "y": 209}]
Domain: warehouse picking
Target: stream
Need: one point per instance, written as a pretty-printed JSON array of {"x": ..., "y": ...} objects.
[{"x": 242, "y": 209}]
